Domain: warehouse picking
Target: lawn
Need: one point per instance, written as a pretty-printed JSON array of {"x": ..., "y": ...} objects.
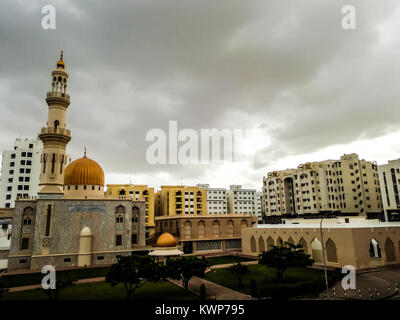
[
  {"x": 17, "y": 280},
  {"x": 296, "y": 281},
  {"x": 227, "y": 259},
  {"x": 103, "y": 291}
]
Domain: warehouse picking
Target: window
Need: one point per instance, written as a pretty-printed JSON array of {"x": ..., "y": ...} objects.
[
  {"x": 67, "y": 260},
  {"x": 12, "y": 164},
  {"x": 23, "y": 154},
  {"x": 11, "y": 172},
  {"x": 31, "y": 146},
  {"x": 9, "y": 188},
  {"x": 29, "y": 154},
  {"x": 22, "y": 162},
  {"x": 118, "y": 240},
  {"x": 21, "y": 170},
  {"x": 100, "y": 258},
  {"x": 24, "y": 243},
  {"x": 27, "y": 170}
]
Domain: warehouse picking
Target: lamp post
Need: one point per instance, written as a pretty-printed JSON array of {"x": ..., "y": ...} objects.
[{"x": 323, "y": 258}]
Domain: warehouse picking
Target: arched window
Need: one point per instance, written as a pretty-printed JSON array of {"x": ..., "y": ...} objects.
[
  {"x": 303, "y": 244},
  {"x": 229, "y": 228},
  {"x": 216, "y": 229},
  {"x": 316, "y": 248},
  {"x": 389, "y": 250},
  {"x": 122, "y": 192},
  {"x": 188, "y": 229},
  {"x": 120, "y": 209},
  {"x": 331, "y": 252},
  {"x": 200, "y": 229},
  {"x": 261, "y": 244},
  {"x": 290, "y": 240},
  {"x": 27, "y": 221},
  {"x": 279, "y": 242},
  {"x": 145, "y": 192},
  {"x": 374, "y": 249},
  {"x": 244, "y": 224},
  {"x": 119, "y": 219},
  {"x": 270, "y": 243},
  {"x": 253, "y": 246}
]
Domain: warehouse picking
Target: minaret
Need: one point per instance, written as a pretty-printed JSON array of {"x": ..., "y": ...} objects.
[{"x": 55, "y": 135}]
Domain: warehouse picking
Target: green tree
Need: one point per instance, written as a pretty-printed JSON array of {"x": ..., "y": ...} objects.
[
  {"x": 133, "y": 272},
  {"x": 185, "y": 268},
  {"x": 61, "y": 284},
  {"x": 3, "y": 288},
  {"x": 239, "y": 270},
  {"x": 283, "y": 257}
]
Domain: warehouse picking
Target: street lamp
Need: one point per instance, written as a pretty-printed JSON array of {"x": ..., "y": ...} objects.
[{"x": 323, "y": 257}]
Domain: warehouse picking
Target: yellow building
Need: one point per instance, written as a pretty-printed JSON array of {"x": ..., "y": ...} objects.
[
  {"x": 137, "y": 192},
  {"x": 175, "y": 200}
]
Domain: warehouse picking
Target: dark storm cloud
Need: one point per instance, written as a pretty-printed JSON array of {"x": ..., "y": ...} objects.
[{"x": 286, "y": 66}]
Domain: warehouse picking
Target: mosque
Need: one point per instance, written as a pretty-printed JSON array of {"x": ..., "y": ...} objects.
[{"x": 71, "y": 222}]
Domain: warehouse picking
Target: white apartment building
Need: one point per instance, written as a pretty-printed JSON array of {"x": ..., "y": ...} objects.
[
  {"x": 216, "y": 199},
  {"x": 5, "y": 235},
  {"x": 20, "y": 171},
  {"x": 258, "y": 206},
  {"x": 389, "y": 180},
  {"x": 241, "y": 200},
  {"x": 348, "y": 186}
]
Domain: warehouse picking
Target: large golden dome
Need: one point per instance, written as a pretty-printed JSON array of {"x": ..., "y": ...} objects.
[
  {"x": 166, "y": 240},
  {"x": 84, "y": 171}
]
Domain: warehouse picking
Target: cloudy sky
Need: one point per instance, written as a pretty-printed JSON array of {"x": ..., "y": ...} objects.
[{"x": 285, "y": 69}]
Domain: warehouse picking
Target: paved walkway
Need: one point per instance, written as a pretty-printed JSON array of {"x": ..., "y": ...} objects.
[
  {"x": 227, "y": 265},
  {"x": 369, "y": 286},
  {"x": 213, "y": 290}
]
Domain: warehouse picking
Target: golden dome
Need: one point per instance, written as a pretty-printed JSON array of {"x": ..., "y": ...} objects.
[
  {"x": 84, "y": 171},
  {"x": 166, "y": 240},
  {"x": 61, "y": 63}
]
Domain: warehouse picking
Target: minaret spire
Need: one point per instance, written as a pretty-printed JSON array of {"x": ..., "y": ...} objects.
[{"x": 55, "y": 135}]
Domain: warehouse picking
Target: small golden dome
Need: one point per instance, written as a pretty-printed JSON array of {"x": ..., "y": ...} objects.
[
  {"x": 166, "y": 240},
  {"x": 61, "y": 63},
  {"x": 84, "y": 171}
]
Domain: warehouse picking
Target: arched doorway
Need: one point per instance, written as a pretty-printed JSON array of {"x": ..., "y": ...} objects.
[
  {"x": 316, "y": 249},
  {"x": 389, "y": 250},
  {"x": 261, "y": 244},
  {"x": 270, "y": 243},
  {"x": 303, "y": 244},
  {"x": 331, "y": 252},
  {"x": 253, "y": 246},
  {"x": 374, "y": 249}
]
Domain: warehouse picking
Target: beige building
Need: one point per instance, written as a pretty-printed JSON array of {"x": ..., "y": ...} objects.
[
  {"x": 241, "y": 200},
  {"x": 181, "y": 200},
  {"x": 389, "y": 178},
  {"x": 359, "y": 243},
  {"x": 138, "y": 192},
  {"x": 202, "y": 234},
  {"x": 348, "y": 186}
]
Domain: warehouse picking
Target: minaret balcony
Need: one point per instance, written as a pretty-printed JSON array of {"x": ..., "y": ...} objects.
[
  {"x": 58, "y": 94},
  {"x": 53, "y": 133},
  {"x": 58, "y": 97}
]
